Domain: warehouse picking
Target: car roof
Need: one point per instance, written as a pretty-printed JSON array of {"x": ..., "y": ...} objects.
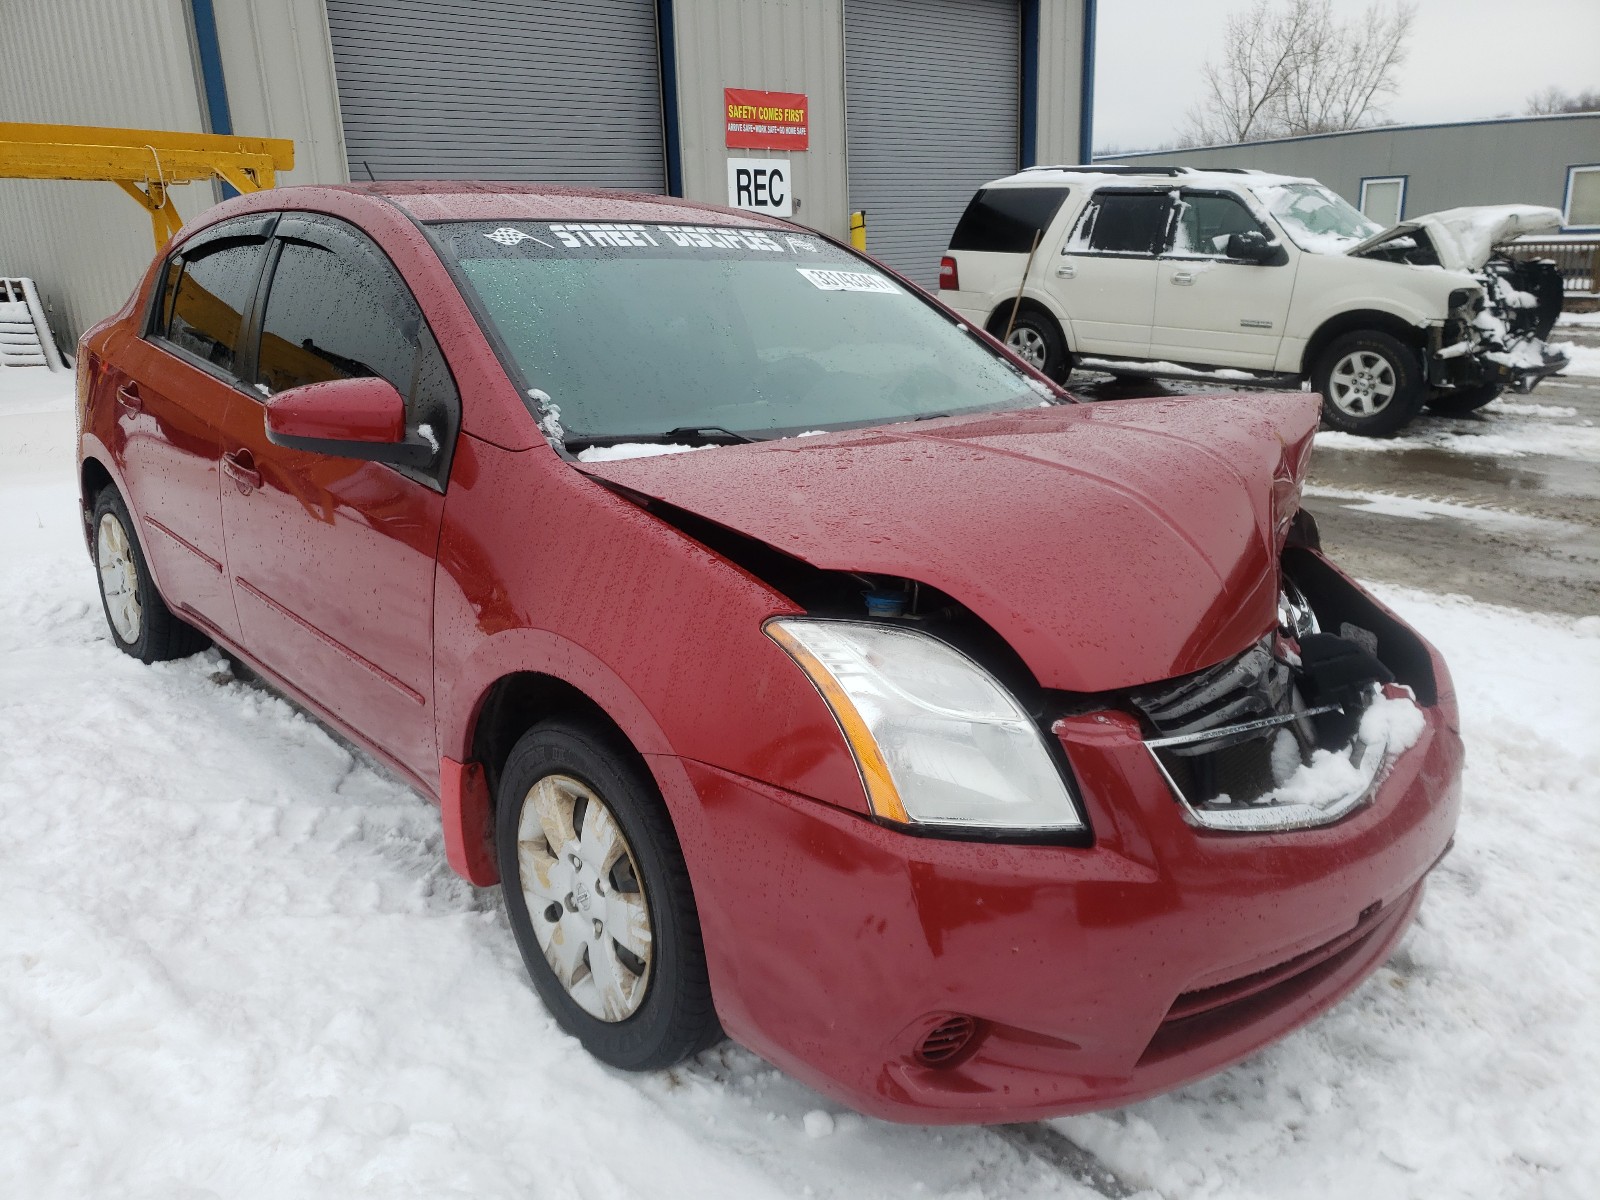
[
  {"x": 1100, "y": 174},
  {"x": 491, "y": 200}
]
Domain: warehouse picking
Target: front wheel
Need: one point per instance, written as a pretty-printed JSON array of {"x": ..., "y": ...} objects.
[
  {"x": 1458, "y": 402},
  {"x": 1371, "y": 383},
  {"x": 1036, "y": 339},
  {"x": 599, "y": 898}
]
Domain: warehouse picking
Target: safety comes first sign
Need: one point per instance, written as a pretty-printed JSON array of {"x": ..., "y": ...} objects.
[{"x": 767, "y": 120}]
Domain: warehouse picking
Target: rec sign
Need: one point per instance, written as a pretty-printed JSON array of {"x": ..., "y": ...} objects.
[
  {"x": 760, "y": 185},
  {"x": 767, "y": 120}
]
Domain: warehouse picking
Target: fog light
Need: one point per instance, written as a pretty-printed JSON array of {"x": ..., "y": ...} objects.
[{"x": 948, "y": 1042}]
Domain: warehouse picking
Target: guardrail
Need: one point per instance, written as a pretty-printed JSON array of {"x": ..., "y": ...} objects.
[{"x": 1578, "y": 260}]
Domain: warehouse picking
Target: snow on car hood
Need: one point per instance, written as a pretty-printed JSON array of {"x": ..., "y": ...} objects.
[
  {"x": 1111, "y": 544},
  {"x": 1464, "y": 237}
]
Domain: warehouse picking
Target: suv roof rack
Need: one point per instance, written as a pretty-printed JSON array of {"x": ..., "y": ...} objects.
[{"x": 1096, "y": 169}]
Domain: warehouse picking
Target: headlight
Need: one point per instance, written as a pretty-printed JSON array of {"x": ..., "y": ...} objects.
[{"x": 937, "y": 739}]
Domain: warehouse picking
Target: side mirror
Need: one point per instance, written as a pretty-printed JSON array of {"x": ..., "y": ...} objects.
[
  {"x": 347, "y": 418},
  {"x": 1250, "y": 246}
]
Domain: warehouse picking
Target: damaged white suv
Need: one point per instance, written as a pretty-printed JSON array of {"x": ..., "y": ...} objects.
[{"x": 1239, "y": 274}]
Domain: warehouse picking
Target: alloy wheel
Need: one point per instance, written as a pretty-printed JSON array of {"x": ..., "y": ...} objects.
[
  {"x": 585, "y": 897},
  {"x": 1362, "y": 383},
  {"x": 119, "y": 578},
  {"x": 1028, "y": 345}
]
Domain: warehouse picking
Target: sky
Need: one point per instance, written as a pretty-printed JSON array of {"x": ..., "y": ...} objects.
[{"x": 1468, "y": 59}]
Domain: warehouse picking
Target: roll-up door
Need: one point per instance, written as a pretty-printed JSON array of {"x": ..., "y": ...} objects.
[
  {"x": 566, "y": 92},
  {"x": 933, "y": 112}
]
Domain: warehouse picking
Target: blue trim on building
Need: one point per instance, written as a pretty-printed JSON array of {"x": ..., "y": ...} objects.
[
  {"x": 1566, "y": 199},
  {"x": 1405, "y": 186},
  {"x": 1086, "y": 86},
  {"x": 667, "y": 51},
  {"x": 1369, "y": 129},
  {"x": 1028, "y": 151},
  {"x": 216, "y": 87}
]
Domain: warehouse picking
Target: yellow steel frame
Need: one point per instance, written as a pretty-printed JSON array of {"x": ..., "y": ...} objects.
[{"x": 145, "y": 163}]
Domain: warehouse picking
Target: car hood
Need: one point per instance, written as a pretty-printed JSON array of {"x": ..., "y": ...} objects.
[
  {"x": 1464, "y": 237},
  {"x": 1111, "y": 544}
]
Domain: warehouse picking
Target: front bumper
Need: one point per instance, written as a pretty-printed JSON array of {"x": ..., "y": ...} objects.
[{"x": 1097, "y": 976}]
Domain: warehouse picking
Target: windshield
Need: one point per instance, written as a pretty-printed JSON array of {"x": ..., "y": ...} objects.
[
  {"x": 1315, "y": 218},
  {"x": 628, "y": 332}
]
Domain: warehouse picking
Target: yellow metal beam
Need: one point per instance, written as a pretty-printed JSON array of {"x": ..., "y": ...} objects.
[{"x": 145, "y": 163}]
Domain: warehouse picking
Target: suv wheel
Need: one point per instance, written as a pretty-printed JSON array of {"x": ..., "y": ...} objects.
[
  {"x": 141, "y": 624},
  {"x": 1458, "y": 402},
  {"x": 1371, "y": 383},
  {"x": 599, "y": 898},
  {"x": 1036, "y": 339}
]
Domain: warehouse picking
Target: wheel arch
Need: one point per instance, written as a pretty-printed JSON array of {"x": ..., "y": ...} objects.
[
  {"x": 997, "y": 320},
  {"x": 1360, "y": 319}
]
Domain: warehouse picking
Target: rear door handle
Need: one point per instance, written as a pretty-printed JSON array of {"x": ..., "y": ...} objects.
[
  {"x": 128, "y": 398},
  {"x": 1066, "y": 271},
  {"x": 1183, "y": 277},
  {"x": 240, "y": 467}
]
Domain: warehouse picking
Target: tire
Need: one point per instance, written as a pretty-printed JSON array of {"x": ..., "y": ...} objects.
[
  {"x": 1371, "y": 383},
  {"x": 1458, "y": 402},
  {"x": 140, "y": 622},
  {"x": 634, "y": 917},
  {"x": 1036, "y": 339}
]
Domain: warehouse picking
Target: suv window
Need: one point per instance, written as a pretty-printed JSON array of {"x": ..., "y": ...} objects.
[
  {"x": 1206, "y": 220},
  {"x": 204, "y": 298},
  {"x": 1005, "y": 220},
  {"x": 1124, "y": 223},
  {"x": 347, "y": 314}
]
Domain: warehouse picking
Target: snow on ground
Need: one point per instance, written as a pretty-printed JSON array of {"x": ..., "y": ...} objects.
[
  {"x": 1426, "y": 508},
  {"x": 1581, "y": 360},
  {"x": 234, "y": 964},
  {"x": 1536, "y": 428}
]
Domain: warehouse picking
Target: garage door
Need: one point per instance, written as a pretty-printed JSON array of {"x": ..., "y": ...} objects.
[
  {"x": 933, "y": 111},
  {"x": 500, "y": 89}
]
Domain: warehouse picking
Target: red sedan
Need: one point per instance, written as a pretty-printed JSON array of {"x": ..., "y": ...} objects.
[{"x": 801, "y": 664}]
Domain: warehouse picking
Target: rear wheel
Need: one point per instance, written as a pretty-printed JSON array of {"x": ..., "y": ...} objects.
[
  {"x": 1458, "y": 402},
  {"x": 599, "y": 898},
  {"x": 1036, "y": 339},
  {"x": 141, "y": 623},
  {"x": 1371, "y": 383}
]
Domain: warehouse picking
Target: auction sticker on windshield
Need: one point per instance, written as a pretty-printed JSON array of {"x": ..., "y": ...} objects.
[{"x": 848, "y": 281}]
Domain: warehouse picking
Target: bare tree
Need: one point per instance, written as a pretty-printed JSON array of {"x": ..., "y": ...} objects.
[
  {"x": 1291, "y": 67},
  {"x": 1555, "y": 100}
]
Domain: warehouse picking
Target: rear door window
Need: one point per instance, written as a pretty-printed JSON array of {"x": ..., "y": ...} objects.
[
  {"x": 1123, "y": 223},
  {"x": 204, "y": 298},
  {"x": 1006, "y": 220}
]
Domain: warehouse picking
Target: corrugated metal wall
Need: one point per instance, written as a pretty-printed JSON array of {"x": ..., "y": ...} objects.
[
  {"x": 557, "y": 90},
  {"x": 90, "y": 62},
  {"x": 278, "y": 64},
  {"x": 774, "y": 47},
  {"x": 933, "y": 103},
  {"x": 1060, "y": 71},
  {"x": 1521, "y": 161}
]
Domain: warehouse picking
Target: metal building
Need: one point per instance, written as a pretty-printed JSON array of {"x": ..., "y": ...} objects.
[
  {"x": 901, "y": 108},
  {"x": 1398, "y": 171}
]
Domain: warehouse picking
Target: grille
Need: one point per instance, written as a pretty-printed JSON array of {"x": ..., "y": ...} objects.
[{"x": 947, "y": 1041}]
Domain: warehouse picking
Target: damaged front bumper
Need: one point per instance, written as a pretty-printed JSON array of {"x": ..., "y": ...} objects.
[{"x": 1496, "y": 337}]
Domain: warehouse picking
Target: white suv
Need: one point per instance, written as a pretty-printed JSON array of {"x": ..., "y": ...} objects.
[{"x": 1244, "y": 275}]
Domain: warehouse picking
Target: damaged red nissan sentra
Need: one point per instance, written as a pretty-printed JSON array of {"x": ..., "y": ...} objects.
[{"x": 801, "y": 664}]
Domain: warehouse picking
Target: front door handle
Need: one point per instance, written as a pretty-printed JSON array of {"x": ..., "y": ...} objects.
[
  {"x": 1183, "y": 277},
  {"x": 240, "y": 467},
  {"x": 1066, "y": 271},
  {"x": 128, "y": 398}
]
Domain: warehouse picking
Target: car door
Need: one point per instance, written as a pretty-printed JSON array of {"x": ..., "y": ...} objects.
[
  {"x": 1212, "y": 309},
  {"x": 332, "y": 559},
  {"x": 1105, "y": 270},
  {"x": 173, "y": 386}
]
